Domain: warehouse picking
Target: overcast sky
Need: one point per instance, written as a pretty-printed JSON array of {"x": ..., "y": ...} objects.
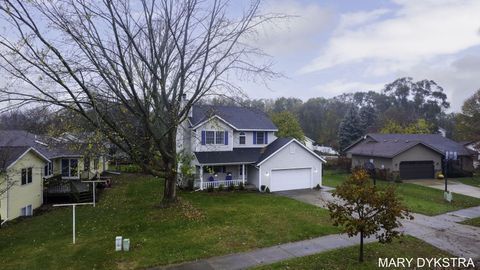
[{"x": 330, "y": 47}]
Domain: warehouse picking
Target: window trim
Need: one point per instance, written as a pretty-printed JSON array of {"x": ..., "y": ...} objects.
[
  {"x": 70, "y": 170},
  {"x": 241, "y": 136},
  {"x": 26, "y": 173},
  {"x": 217, "y": 135},
  {"x": 263, "y": 138}
]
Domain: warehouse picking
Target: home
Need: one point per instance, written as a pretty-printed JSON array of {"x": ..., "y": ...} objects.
[
  {"x": 474, "y": 147},
  {"x": 21, "y": 181},
  {"x": 233, "y": 145},
  {"x": 50, "y": 166},
  {"x": 410, "y": 156}
]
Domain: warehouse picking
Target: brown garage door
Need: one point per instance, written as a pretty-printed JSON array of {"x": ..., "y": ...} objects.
[{"x": 416, "y": 170}]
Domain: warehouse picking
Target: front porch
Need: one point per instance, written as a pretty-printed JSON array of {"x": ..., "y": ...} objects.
[{"x": 214, "y": 176}]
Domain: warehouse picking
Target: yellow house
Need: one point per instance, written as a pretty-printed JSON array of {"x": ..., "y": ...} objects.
[{"x": 21, "y": 181}]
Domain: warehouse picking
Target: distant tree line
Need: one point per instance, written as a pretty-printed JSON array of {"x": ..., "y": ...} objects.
[{"x": 404, "y": 106}]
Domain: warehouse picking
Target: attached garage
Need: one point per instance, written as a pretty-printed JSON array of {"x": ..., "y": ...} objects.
[
  {"x": 289, "y": 179},
  {"x": 417, "y": 170}
]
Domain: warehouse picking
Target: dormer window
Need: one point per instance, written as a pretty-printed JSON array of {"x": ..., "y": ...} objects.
[{"x": 242, "y": 138}]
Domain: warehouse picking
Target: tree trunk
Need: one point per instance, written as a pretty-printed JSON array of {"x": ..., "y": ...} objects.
[
  {"x": 360, "y": 258},
  {"x": 170, "y": 163}
]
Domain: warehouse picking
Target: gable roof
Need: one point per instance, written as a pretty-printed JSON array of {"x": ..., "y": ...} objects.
[
  {"x": 44, "y": 145},
  {"x": 9, "y": 155},
  {"x": 240, "y": 118},
  {"x": 390, "y": 145},
  {"x": 248, "y": 155}
]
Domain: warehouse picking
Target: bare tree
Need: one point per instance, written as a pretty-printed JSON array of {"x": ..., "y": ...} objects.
[{"x": 125, "y": 66}]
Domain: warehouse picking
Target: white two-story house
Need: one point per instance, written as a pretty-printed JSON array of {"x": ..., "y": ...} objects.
[{"x": 233, "y": 145}]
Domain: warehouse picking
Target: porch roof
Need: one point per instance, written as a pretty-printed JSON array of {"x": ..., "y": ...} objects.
[{"x": 237, "y": 156}]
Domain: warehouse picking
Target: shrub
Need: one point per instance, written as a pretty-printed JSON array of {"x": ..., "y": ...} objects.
[
  {"x": 318, "y": 187},
  {"x": 241, "y": 186},
  {"x": 210, "y": 189},
  {"x": 221, "y": 187},
  {"x": 262, "y": 188},
  {"x": 267, "y": 190},
  {"x": 231, "y": 187}
]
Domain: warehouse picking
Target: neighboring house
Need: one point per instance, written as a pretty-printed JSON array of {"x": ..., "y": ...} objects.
[
  {"x": 45, "y": 160},
  {"x": 474, "y": 147},
  {"x": 310, "y": 144},
  {"x": 21, "y": 181},
  {"x": 409, "y": 156},
  {"x": 233, "y": 145}
]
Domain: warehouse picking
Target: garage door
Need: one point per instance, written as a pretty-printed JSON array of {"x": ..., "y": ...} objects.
[
  {"x": 416, "y": 170},
  {"x": 289, "y": 179}
]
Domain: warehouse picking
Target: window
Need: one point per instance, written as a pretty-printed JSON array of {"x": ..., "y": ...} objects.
[
  {"x": 220, "y": 137},
  {"x": 260, "y": 138},
  {"x": 26, "y": 176},
  {"x": 86, "y": 164},
  {"x": 210, "y": 137},
  {"x": 48, "y": 170},
  {"x": 215, "y": 137},
  {"x": 242, "y": 138},
  {"x": 27, "y": 211},
  {"x": 69, "y": 167}
]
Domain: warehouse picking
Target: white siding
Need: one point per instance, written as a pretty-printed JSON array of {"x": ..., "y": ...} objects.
[
  {"x": 249, "y": 139},
  {"x": 216, "y": 125},
  {"x": 285, "y": 159}
]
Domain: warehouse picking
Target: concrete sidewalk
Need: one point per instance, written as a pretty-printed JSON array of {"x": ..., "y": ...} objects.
[
  {"x": 273, "y": 254},
  {"x": 453, "y": 186}
]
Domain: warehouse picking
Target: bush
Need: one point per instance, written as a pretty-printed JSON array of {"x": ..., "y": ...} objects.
[
  {"x": 231, "y": 187},
  {"x": 241, "y": 186},
  {"x": 221, "y": 188},
  {"x": 267, "y": 190},
  {"x": 341, "y": 164},
  {"x": 262, "y": 188},
  {"x": 210, "y": 189},
  {"x": 318, "y": 187}
]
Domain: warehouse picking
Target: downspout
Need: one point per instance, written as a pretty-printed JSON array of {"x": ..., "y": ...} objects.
[{"x": 8, "y": 197}]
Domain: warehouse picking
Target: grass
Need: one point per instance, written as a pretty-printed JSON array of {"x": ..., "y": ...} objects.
[
  {"x": 418, "y": 199},
  {"x": 472, "y": 181},
  {"x": 473, "y": 222},
  {"x": 204, "y": 225},
  {"x": 347, "y": 258}
]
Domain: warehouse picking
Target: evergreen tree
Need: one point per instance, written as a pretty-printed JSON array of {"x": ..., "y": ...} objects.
[
  {"x": 349, "y": 129},
  {"x": 368, "y": 117}
]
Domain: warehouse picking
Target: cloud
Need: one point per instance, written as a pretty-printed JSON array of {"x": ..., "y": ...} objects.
[
  {"x": 395, "y": 40},
  {"x": 286, "y": 36}
]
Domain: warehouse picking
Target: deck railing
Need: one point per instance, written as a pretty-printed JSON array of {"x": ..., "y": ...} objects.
[{"x": 217, "y": 183}]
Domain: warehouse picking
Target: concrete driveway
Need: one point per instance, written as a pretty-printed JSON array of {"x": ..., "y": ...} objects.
[{"x": 453, "y": 186}]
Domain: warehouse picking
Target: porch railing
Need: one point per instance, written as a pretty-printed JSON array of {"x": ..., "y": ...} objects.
[{"x": 217, "y": 183}]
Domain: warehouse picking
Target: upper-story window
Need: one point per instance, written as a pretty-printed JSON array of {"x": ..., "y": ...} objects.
[
  {"x": 242, "y": 138},
  {"x": 26, "y": 176},
  {"x": 260, "y": 137},
  {"x": 214, "y": 137}
]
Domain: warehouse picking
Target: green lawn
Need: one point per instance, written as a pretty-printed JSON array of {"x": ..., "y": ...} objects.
[
  {"x": 347, "y": 258},
  {"x": 205, "y": 225},
  {"x": 418, "y": 199},
  {"x": 472, "y": 181},
  {"x": 473, "y": 222}
]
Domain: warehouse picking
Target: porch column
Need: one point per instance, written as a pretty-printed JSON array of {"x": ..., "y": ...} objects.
[
  {"x": 243, "y": 174},
  {"x": 201, "y": 177}
]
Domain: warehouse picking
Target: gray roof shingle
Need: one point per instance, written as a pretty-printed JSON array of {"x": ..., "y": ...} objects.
[
  {"x": 241, "y": 118},
  {"x": 9, "y": 154},
  {"x": 21, "y": 138},
  {"x": 241, "y": 155},
  {"x": 390, "y": 145}
]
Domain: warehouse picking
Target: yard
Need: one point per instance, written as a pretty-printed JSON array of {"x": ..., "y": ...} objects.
[
  {"x": 472, "y": 222},
  {"x": 418, "y": 199},
  {"x": 472, "y": 181},
  {"x": 347, "y": 258},
  {"x": 205, "y": 225}
]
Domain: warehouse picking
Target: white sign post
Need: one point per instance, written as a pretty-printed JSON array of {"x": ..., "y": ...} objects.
[
  {"x": 73, "y": 205},
  {"x": 94, "y": 184}
]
